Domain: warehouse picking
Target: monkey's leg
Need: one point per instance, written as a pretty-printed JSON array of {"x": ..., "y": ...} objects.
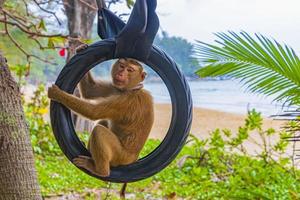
[{"x": 104, "y": 147}]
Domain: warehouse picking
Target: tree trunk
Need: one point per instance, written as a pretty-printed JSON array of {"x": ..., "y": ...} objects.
[
  {"x": 18, "y": 178},
  {"x": 80, "y": 21},
  {"x": 1, "y": 3},
  {"x": 80, "y": 24}
]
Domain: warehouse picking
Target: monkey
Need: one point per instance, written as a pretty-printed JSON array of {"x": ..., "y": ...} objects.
[{"x": 124, "y": 110}]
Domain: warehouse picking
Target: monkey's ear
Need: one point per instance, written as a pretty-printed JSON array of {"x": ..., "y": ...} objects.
[{"x": 144, "y": 74}]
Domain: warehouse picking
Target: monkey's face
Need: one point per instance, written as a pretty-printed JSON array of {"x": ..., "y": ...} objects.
[{"x": 127, "y": 74}]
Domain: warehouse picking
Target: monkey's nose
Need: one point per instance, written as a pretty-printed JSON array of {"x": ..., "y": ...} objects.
[{"x": 122, "y": 74}]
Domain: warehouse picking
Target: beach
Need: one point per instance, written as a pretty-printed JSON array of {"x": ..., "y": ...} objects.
[
  {"x": 207, "y": 120},
  {"x": 204, "y": 121}
]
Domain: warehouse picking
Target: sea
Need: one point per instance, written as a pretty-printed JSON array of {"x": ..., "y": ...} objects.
[{"x": 223, "y": 95}]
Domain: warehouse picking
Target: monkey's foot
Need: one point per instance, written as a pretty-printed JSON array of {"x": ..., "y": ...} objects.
[
  {"x": 84, "y": 162},
  {"x": 88, "y": 164}
]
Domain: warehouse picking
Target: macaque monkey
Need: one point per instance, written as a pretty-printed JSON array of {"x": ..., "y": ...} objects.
[{"x": 124, "y": 110}]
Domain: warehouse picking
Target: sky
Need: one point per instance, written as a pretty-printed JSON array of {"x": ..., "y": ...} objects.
[{"x": 199, "y": 19}]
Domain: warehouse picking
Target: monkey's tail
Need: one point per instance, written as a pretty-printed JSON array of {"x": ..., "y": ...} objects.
[{"x": 123, "y": 191}]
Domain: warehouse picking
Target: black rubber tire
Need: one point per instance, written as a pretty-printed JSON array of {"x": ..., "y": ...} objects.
[{"x": 181, "y": 120}]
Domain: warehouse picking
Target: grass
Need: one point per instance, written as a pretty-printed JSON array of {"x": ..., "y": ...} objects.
[
  {"x": 58, "y": 176},
  {"x": 197, "y": 178}
]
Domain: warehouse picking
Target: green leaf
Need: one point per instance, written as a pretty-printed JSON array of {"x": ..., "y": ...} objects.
[
  {"x": 270, "y": 131},
  {"x": 86, "y": 41},
  {"x": 51, "y": 43},
  {"x": 42, "y": 25},
  {"x": 59, "y": 40},
  {"x": 129, "y": 3},
  {"x": 263, "y": 65},
  {"x": 254, "y": 120}
]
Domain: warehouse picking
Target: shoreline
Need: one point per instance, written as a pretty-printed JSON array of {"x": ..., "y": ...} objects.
[{"x": 204, "y": 121}]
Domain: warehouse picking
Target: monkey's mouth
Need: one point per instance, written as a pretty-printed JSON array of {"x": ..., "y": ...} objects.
[{"x": 119, "y": 81}]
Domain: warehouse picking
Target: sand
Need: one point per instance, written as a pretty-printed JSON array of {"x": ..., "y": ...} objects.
[
  {"x": 207, "y": 120},
  {"x": 204, "y": 121}
]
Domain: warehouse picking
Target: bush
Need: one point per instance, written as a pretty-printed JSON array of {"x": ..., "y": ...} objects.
[
  {"x": 221, "y": 167},
  {"x": 42, "y": 139}
]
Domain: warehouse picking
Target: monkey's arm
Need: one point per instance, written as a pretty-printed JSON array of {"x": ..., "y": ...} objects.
[
  {"x": 80, "y": 106},
  {"x": 91, "y": 88},
  {"x": 86, "y": 85},
  {"x": 93, "y": 110}
]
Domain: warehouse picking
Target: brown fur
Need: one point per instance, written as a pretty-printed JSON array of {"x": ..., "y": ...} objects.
[{"x": 126, "y": 117}]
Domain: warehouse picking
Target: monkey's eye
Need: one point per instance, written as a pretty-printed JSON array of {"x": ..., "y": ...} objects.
[
  {"x": 122, "y": 66},
  {"x": 130, "y": 69}
]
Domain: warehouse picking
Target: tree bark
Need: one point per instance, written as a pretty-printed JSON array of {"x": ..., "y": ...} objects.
[
  {"x": 1, "y": 4},
  {"x": 80, "y": 21},
  {"x": 80, "y": 24},
  {"x": 18, "y": 179}
]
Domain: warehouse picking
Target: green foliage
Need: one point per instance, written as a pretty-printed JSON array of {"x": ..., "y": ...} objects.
[
  {"x": 221, "y": 168},
  {"x": 150, "y": 146},
  {"x": 263, "y": 65},
  {"x": 31, "y": 41},
  {"x": 42, "y": 139},
  {"x": 36, "y": 71},
  {"x": 216, "y": 168},
  {"x": 129, "y": 3},
  {"x": 180, "y": 50},
  {"x": 42, "y": 25},
  {"x": 20, "y": 71},
  {"x": 57, "y": 175}
]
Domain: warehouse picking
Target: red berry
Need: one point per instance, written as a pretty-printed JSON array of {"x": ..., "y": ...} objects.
[{"x": 62, "y": 52}]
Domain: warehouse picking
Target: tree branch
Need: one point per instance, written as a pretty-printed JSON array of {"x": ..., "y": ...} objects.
[
  {"x": 20, "y": 47},
  {"x": 44, "y": 47},
  {"x": 26, "y": 7},
  {"x": 111, "y": 2},
  {"x": 18, "y": 19},
  {"x": 25, "y": 29},
  {"x": 88, "y": 5},
  {"x": 50, "y": 1},
  {"x": 47, "y": 11}
]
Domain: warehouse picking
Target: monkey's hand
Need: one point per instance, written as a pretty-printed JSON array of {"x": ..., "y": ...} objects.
[
  {"x": 54, "y": 92},
  {"x": 81, "y": 47}
]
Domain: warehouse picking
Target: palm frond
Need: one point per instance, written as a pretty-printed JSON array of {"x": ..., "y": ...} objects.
[{"x": 262, "y": 64}]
